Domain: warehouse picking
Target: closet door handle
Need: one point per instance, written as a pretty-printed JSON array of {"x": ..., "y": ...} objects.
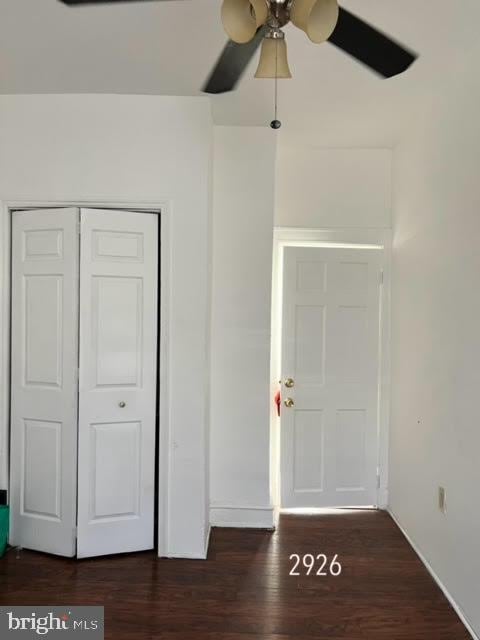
[{"x": 122, "y": 404}]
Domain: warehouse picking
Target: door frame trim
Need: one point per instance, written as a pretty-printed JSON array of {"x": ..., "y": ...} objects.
[
  {"x": 359, "y": 238},
  {"x": 161, "y": 208}
]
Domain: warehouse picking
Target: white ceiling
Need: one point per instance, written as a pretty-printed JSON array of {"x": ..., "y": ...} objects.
[{"x": 169, "y": 47}]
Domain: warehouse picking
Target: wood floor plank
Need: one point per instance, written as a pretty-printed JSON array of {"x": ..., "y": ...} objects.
[{"x": 244, "y": 591}]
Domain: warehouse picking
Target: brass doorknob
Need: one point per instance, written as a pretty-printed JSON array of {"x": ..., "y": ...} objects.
[
  {"x": 289, "y": 383},
  {"x": 288, "y": 402}
]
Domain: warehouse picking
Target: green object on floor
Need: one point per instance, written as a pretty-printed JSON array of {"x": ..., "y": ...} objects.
[{"x": 4, "y": 518}]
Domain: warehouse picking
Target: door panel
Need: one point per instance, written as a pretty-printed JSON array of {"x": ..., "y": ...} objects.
[
  {"x": 115, "y": 486},
  {"x": 117, "y": 406},
  {"x": 309, "y": 451},
  {"x": 118, "y": 345},
  {"x": 42, "y": 482},
  {"x": 350, "y": 450},
  {"x": 43, "y": 357},
  {"x": 44, "y": 379},
  {"x": 330, "y": 348}
]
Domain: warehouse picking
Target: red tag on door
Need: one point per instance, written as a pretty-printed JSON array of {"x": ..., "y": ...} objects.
[{"x": 278, "y": 402}]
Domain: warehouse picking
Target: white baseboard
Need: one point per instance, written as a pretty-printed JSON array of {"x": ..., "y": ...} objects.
[
  {"x": 456, "y": 607},
  {"x": 184, "y": 555},
  {"x": 191, "y": 556},
  {"x": 244, "y": 517}
]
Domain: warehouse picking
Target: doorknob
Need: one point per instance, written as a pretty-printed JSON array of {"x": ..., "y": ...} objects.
[
  {"x": 288, "y": 402},
  {"x": 121, "y": 404},
  {"x": 289, "y": 383}
]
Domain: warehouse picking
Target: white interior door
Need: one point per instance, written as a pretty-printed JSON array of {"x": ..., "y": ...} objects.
[
  {"x": 117, "y": 402},
  {"x": 330, "y": 350},
  {"x": 44, "y": 363}
]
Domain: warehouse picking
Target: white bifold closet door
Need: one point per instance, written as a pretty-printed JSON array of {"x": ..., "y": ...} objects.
[
  {"x": 118, "y": 356},
  {"x": 84, "y": 345}
]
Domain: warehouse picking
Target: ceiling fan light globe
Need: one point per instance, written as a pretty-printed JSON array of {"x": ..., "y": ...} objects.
[
  {"x": 273, "y": 61},
  {"x": 318, "y": 18},
  {"x": 241, "y": 18}
]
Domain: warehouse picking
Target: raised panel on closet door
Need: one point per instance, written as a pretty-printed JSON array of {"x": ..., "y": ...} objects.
[
  {"x": 117, "y": 306},
  {"x": 44, "y": 362},
  {"x": 117, "y": 411}
]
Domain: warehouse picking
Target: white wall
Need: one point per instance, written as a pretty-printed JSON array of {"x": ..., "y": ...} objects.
[
  {"x": 323, "y": 188},
  {"x": 135, "y": 149},
  {"x": 242, "y": 270},
  {"x": 435, "y": 416}
]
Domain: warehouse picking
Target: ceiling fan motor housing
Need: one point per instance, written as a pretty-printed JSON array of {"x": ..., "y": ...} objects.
[{"x": 242, "y": 18}]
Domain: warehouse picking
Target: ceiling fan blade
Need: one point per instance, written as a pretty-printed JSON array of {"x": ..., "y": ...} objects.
[
  {"x": 368, "y": 45},
  {"x": 232, "y": 63}
]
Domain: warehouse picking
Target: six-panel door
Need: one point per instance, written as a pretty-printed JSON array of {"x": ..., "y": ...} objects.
[
  {"x": 118, "y": 359},
  {"x": 44, "y": 392},
  {"x": 330, "y": 350}
]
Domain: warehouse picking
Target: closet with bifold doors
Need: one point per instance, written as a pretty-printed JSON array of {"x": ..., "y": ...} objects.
[{"x": 84, "y": 321}]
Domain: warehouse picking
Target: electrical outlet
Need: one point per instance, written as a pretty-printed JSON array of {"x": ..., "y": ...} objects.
[{"x": 442, "y": 499}]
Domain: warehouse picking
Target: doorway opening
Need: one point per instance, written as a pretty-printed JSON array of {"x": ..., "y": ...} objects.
[
  {"x": 330, "y": 369},
  {"x": 89, "y": 478}
]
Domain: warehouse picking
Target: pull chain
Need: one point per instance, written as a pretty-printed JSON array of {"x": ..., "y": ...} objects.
[{"x": 276, "y": 124}]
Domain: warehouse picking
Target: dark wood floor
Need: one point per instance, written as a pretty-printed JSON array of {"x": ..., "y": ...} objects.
[{"x": 244, "y": 591}]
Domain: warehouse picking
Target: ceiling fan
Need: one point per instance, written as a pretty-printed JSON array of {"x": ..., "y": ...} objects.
[{"x": 249, "y": 23}]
